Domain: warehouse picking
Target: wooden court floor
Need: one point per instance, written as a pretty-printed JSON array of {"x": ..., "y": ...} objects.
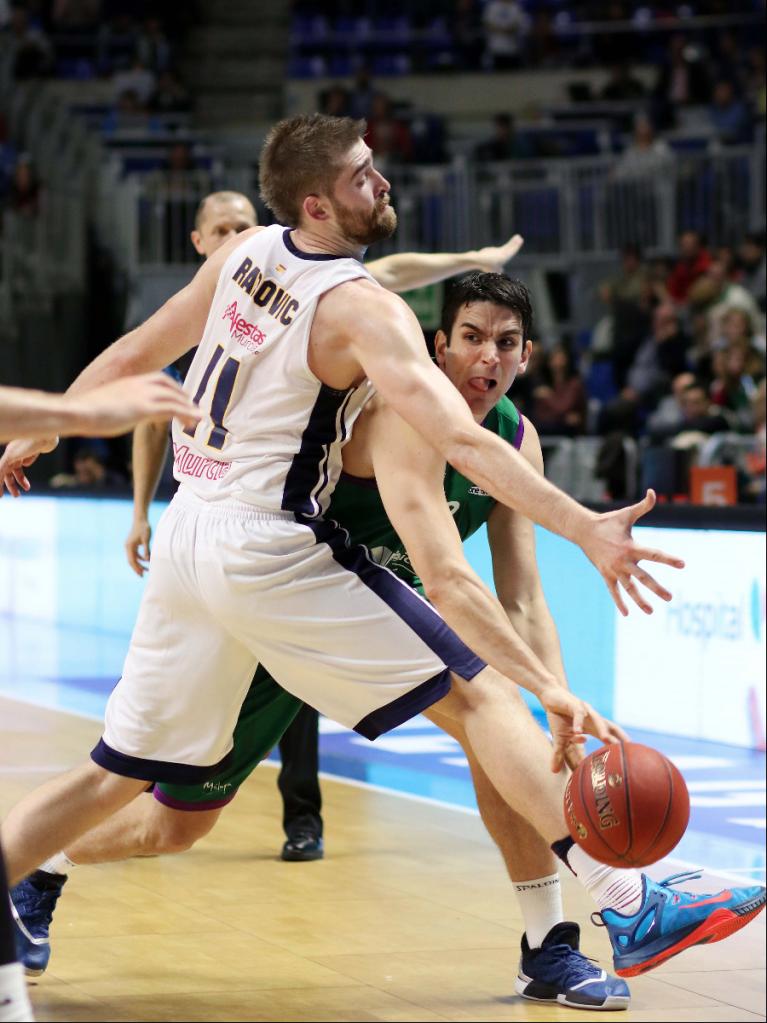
[{"x": 408, "y": 918}]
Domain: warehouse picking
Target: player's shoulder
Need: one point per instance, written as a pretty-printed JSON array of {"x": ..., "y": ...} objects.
[{"x": 359, "y": 299}]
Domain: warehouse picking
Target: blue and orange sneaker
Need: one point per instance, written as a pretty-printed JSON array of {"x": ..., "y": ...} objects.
[
  {"x": 33, "y": 901},
  {"x": 559, "y": 972},
  {"x": 668, "y": 922}
]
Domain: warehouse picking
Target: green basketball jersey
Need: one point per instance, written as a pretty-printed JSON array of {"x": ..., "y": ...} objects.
[{"x": 357, "y": 506}]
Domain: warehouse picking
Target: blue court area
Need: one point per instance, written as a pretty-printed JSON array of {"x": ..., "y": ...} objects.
[{"x": 72, "y": 669}]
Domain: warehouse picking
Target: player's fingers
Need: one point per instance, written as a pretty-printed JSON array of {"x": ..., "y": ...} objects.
[
  {"x": 131, "y": 554},
  {"x": 651, "y": 583},
  {"x": 574, "y": 754},
  {"x": 20, "y": 476},
  {"x": 617, "y": 599},
  {"x": 616, "y": 733},
  {"x": 513, "y": 245},
  {"x": 628, "y": 585},
  {"x": 557, "y": 759},
  {"x": 642, "y": 507},
  {"x": 651, "y": 554}
]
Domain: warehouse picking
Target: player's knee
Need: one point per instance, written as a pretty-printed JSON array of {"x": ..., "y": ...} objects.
[
  {"x": 489, "y": 687},
  {"x": 175, "y": 831}
]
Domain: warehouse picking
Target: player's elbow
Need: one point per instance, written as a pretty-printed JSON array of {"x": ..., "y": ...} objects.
[
  {"x": 443, "y": 581},
  {"x": 461, "y": 449}
]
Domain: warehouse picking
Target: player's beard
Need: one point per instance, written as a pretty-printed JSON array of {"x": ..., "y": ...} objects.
[{"x": 367, "y": 228}]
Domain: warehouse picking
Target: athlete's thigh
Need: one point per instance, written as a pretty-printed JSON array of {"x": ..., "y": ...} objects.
[
  {"x": 266, "y": 713},
  {"x": 173, "y": 712}
]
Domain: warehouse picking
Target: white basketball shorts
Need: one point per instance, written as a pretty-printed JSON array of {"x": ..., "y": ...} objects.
[{"x": 231, "y": 586}]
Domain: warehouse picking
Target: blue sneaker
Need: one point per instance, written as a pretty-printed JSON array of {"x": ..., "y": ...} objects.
[
  {"x": 559, "y": 972},
  {"x": 668, "y": 922},
  {"x": 32, "y": 903}
]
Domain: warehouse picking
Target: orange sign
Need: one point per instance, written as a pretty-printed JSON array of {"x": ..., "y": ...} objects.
[{"x": 713, "y": 484}]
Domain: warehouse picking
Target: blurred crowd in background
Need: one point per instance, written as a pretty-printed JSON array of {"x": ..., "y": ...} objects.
[{"x": 678, "y": 354}]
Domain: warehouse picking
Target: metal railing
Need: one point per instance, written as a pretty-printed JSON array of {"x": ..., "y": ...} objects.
[{"x": 571, "y": 463}]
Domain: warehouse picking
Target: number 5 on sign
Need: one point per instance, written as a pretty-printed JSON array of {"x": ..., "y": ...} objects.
[{"x": 222, "y": 394}]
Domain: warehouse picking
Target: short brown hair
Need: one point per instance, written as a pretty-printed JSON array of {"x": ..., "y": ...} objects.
[{"x": 302, "y": 155}]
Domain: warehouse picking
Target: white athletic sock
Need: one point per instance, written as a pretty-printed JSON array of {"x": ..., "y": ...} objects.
[
  {"x": 14, "y": 1001},
  {"x": 610, "y": 887},
  {"x": 59, "y": 863},
  {"x": 541, "y": 903}
]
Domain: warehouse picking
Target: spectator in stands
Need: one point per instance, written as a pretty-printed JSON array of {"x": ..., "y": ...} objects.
[
  {"x": 24, "y": 193},
  {"x": 335, "y": 101},
  {"x": 646, "y": 156},
  {"x": 629, "y": 299},
  {"x": 505, "y": 143},
  {"x": 129, "y": 116},
  {"x": 152, "y": 46},
  {"x": 388, "y": 136},
  {"x": 362, "y": 95},
  {"x": 171, "y": 95},
  {"x": 753, "y": 267},
  {"x": 755, "y": 463},
  {"x": 715, "y": 294},
  {"x": 137, "y": 79},
  {"x": 669, "y": 415},
  {"x": 729, "y": 115},
  {"x": 694, "y": 260},
  {"x": 621, "y": 87},
  {"x": 659, "y": 359},
  {"x": 90, "y": 470},
  {"x": 506, "y": 26},
  {"x": 116, "y": 40},
  {"x": 738, "y": 328},
  {"x": 733, "y": 387},
  {"x": 559, "y": 400},
  {"x": 682, "y": 81},
  {"x": 698, "y": 416},
  {"x": 30, "y": 49}
]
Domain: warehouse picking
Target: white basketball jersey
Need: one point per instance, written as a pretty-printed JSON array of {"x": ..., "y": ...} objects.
[{"x": 272, "y": 432}]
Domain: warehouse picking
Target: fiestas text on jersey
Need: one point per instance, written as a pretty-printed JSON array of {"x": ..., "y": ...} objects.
[
  {"x": 249, "y": 335},
  {"x": 265, "y": 292}
]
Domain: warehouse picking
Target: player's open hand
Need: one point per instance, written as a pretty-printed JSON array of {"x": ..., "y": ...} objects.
[
  {"x": 137, "y": 545},
  {"x": 570, "y": 721},
  {"x": 611, "y": 548},
  {"x": 18, "y": 455},
  {"x": 116, "y": 407},
  {"x": 494, "y": 258}
]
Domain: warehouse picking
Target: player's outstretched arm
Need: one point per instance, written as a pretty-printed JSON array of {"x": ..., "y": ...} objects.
[
  {"x": 409, "y": 473},
  {"x": 406, "y": 270},
  {"x": 105, "y": 411},
  {"x": 175, "y": 328},
  {"x": 150, "y": 447},
  {"x": 388, "y": 343}
]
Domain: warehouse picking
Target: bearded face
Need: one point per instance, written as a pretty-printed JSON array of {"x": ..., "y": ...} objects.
[{"x": 364, "y": 227}]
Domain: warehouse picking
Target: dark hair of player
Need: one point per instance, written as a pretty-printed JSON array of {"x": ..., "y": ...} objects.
[
  {"x": 499, "y": 289},
  {"x": 302, "y": 155}
]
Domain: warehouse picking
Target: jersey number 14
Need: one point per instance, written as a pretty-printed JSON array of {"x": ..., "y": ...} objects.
[{"x": 222, "y": 395}]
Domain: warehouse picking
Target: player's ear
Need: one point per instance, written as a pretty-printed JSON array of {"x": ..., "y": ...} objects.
[
  {"x": 316, "y": 208},
  {"x": 197, "y": 242},
  {"x": 440, "y": 347},
  {"x": 527, "y": 349}
]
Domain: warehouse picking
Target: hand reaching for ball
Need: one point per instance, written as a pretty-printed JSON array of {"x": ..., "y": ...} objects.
[{"x": 571, "y": 720}]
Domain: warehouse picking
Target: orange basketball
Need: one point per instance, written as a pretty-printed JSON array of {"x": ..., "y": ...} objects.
[{"x": 627, "y": 805}]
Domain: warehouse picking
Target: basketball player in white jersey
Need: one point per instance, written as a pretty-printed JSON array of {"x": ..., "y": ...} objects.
[{"x": 294, "y": 337}]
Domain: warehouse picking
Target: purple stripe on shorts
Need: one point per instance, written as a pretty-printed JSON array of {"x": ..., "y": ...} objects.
[
  {"x": 153, "y": 770},
  {"x": 400, "y": 597},
  {"x": 404, "y": 707},
  {"x": 187, "y": 805}
]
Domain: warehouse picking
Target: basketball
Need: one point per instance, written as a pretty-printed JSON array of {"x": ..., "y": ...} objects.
[{"x": 627, "y": 805}]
